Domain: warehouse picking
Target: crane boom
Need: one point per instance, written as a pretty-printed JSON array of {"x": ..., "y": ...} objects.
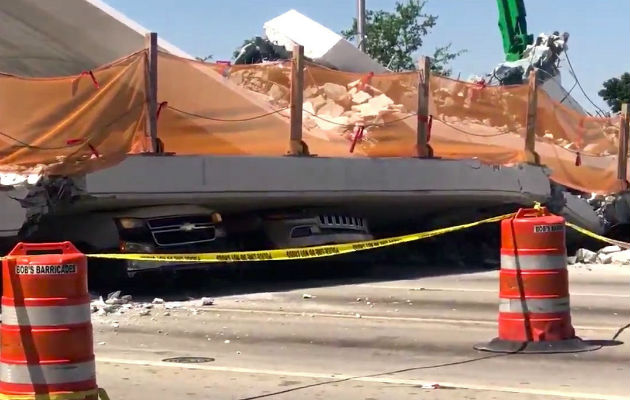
[{"x": 513, "y": 26}]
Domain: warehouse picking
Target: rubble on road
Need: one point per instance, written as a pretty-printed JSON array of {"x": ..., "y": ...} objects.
[
  {"x": 606, "y": 255},
  {"x": 118, "y": 305}
]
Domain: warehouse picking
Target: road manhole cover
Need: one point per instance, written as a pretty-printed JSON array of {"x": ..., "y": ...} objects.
[{"x": 189, "y": 360}]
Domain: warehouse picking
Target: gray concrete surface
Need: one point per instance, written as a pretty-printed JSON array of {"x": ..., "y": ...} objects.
[
  {"x": 65, "y": 37},
  {"x": 365, "y": 340}
]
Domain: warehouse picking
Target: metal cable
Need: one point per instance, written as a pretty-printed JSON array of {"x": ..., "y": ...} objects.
[
  {"x": 566, "y": 55},
  {"x": 364, "y": 125},
  {"x": 226, "y": 120},
  {"x": 468, "y": 132}
]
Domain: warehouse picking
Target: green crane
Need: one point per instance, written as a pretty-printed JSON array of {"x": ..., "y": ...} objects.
[{"x": 513, "y": 26}]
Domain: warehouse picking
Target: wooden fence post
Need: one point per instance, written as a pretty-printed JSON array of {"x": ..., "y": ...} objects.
[
  {"x": 297, "y": 92},
  {"x": 622, "y": 155},
  {"x": 532, "y": 104},
  {"x": 150, "y": 43},
  {"x": 422, "y": 130}
]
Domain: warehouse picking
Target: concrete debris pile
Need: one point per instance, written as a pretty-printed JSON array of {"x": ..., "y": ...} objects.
[
  {"x": 473, "y": 104},
  {"x": 606, "y": 255},
  {"x": 331, "y": 107},
  {"x": 271, "y": 80},
  {"x": 118, "y": 305},
  {"x": 337, "y": 108},
  {"x": 613, "y": 210},
  {"x": 605, "y": 147}
]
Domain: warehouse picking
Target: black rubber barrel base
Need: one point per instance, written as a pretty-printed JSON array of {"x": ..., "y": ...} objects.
[{"x": 574, "y": 345}]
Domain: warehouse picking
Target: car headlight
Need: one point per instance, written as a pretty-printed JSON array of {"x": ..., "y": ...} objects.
[{"x": 131, "y": 223}]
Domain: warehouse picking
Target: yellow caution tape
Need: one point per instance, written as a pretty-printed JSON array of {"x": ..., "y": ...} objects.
[
  {"x": 295, "y": 253},
  {"x": 623, "y": 245},
  {"x": 58, "y": 396}
]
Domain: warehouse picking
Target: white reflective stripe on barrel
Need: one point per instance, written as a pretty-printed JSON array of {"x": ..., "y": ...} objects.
[
  {"x": 46, "y": 315},
  {"x": 534, "y": 262},
  {"x": 535, "y": 305},
  {"x": 47, "y": 374}
]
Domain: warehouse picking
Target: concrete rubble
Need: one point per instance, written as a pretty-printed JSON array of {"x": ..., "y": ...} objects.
[
  {"x": 119, "y": 305},
  {"x": 606, "y": 255}
]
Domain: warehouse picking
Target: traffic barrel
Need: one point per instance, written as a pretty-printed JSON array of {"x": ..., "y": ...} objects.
[
  {"x": 534, "y": 306},
  {"x": 47, "y": 346}
]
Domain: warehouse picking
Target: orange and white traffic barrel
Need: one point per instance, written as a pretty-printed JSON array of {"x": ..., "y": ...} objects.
[
  {"x": 534, "y": 306},
  {"x": 47, "y": 346}
]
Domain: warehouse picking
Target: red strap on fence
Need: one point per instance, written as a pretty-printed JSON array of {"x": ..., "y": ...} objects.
[
  {"x": 358, "y": 134},
  {"x": 72, "y": 142},
  {"x": 366, "y": 80},
  {"x": 91, "y": 74},
  {"x": 159, "y": 109},
  {"x": 428, "y": 120}
]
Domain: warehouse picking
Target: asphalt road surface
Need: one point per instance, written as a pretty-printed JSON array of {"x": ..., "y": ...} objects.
[{"x": 362, "y": 339}]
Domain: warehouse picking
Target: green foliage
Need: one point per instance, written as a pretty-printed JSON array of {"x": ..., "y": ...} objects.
[
  {"x": 616, "y": 91},
  {"x": 393, "y": 38}
]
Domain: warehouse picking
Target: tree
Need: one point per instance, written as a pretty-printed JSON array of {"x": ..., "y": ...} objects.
[
  {"x": 616, "y": 91},
  {"x": 393, "y": 38}
]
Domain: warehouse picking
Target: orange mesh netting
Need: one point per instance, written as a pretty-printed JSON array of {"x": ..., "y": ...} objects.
[
  {"x": 73, "y": 124},
  {"x": 68, "y": 125}
]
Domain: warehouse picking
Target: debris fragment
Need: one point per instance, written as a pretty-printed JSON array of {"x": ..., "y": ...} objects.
[
  {"x": 206, "y": 301},
  {"x": 307, "y": 296},
  {"x": 115, "y": 324},
  {"x": 609, "y": 250},
  {"x": 158, "y": 300},
  {"x": 126, "y": 298},
  {"x": 226, "y": 341},
  {"x": 114, "y": 295},
  {"x": 586, "y": 256},
  {"x": 144, "y": 312},
  {"x": 621, "y": 257}
]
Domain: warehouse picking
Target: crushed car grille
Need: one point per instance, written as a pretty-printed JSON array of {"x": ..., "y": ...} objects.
[
  {"x": 179, "y": 231},
  {"x": 342, "y": 222}
]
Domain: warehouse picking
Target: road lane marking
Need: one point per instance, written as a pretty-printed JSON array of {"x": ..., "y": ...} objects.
[
  {"x": 388, "y": 318},
  {"x": 454, "y": 289},
  {"x": 370, "y": 379}
]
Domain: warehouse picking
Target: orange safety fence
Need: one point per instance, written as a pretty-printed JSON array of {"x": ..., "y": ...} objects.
[
  {"x": 69, "y": 125},
  {"x": 73, "y": 124}
]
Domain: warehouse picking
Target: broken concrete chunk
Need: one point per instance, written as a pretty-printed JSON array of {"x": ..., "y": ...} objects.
[
  {"x": 571, "y": 260},
  {"x": 311, "y": 91},
  {"x": 126, "y": 298},
  {"x": 586, "y": 256},
  {"x": 144, "y": 312},
  {"x": 380, "y": 101},
  {"x": 277, "y": 92},
  {"x": 114, "y": 301},
  {"x": 158, "y": 300},
  {"x": 307, "y": 296},
  {"x": 331, "y": 109},
  {"x": 609, "y": 250},
  {"x": 334, "y": 92},
  {"x": 206, "y": 301},
  {"x": 360, "y": 97},
  {"x": 109, "y": 308},
  {"x": 332, "y": 123},
  {"x": 604, "y": 258},
  {"x": 621, "y": 257},
  {"x": 114, "y": 295}
]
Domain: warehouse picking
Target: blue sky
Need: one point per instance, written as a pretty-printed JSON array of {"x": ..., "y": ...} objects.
[{"x": 599, "y": 46}]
